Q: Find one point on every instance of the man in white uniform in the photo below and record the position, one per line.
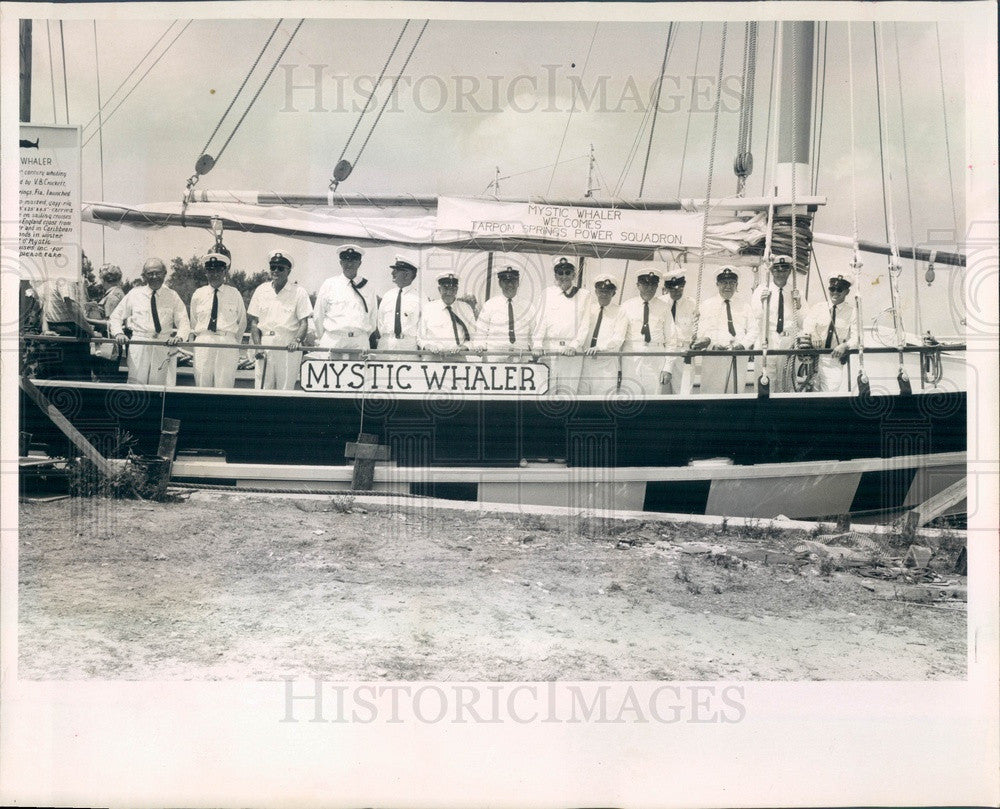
(506, 322)
(782, 310)
(682, 315)
(218, 315)
(278, 315)
(399, 310)
(649, 330)
(151, 312)
(562, 327)
(346, 312)
(608, 327)
(446, 324)
(722, 325)
(832, 324)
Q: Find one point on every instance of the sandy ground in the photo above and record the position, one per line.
(226, 586)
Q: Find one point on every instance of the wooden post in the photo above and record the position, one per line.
(166, 452)
(365, 451)
(75, 436)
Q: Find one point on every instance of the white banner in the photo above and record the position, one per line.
(571, 223)
(418, 376)
(49, 245)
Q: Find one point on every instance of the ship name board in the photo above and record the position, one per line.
(418, 376)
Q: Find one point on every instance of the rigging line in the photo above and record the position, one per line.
(52, 71)
(822, 108)
(881, 152)
(143, 76)
(742, 162)
(131, 73)
(815, 112)
(62, 45)
(390, 94)
(634, 148)
(795, 157)
(532, 171)
(947, 142)
(253, 67)
(572, 108)
(97, 73)
(711, 169)
(656, 108)
(260, 89)
(374, 89)
(856, 260)
(687, 126)
(770, 101)
(918, 320)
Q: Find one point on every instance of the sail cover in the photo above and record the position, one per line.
(465, 224)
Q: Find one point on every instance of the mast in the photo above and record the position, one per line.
(792, 176)
(25, 52)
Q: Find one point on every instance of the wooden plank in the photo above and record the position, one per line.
(938, 504)
(366, 451)
(168, 438)
(75, 436)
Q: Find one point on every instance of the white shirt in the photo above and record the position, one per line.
(409, 312)
(755, 325)
(817, 323)
(492, 328)
(714, 325)
(563, 320)
(436, 332)
(279, 312)
(135, 311)
(614, 327)
(660, 324)
(54, 295)
(683, 324)
(232, 315)
(339, 308)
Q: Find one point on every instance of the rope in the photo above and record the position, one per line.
(818, 125)
(259, 91)
(743, 164)
(906, 175)
(371, 95)
(52, 71)
(131, 73)
(215, 487)
(894, 266)
(795, 161)
(687, 126)
(253, 67)
(391, 92)
(947, 140)
(711, 169)
(572, 108)
(100, 140)
(656, 108)
(493, 182)
(62, 45)
(143, 76)
(770, 99)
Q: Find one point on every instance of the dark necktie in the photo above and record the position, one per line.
(356, 288)
(154, 312)
(673, 311)
(510, 322)
(597, 328)
(833, 327)
(456, 323)
(645, 321)
(729, 320)
(397, 327)
(781, 310)
(213, 319)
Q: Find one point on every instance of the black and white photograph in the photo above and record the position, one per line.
(499, 397)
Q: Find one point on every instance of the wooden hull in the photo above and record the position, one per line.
(782, 455)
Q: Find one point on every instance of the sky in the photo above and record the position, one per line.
(486, 96)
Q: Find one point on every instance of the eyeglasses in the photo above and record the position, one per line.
(566, 272)
(279, 268)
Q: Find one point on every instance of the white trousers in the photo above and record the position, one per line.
(680, 377)
(216, 367)
(599, 375)
(830, 375)
(277, 370)
(722, 374)
(642, 374)
(564, 373)
(152, 365)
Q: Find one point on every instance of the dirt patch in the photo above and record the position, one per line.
(228, 586)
